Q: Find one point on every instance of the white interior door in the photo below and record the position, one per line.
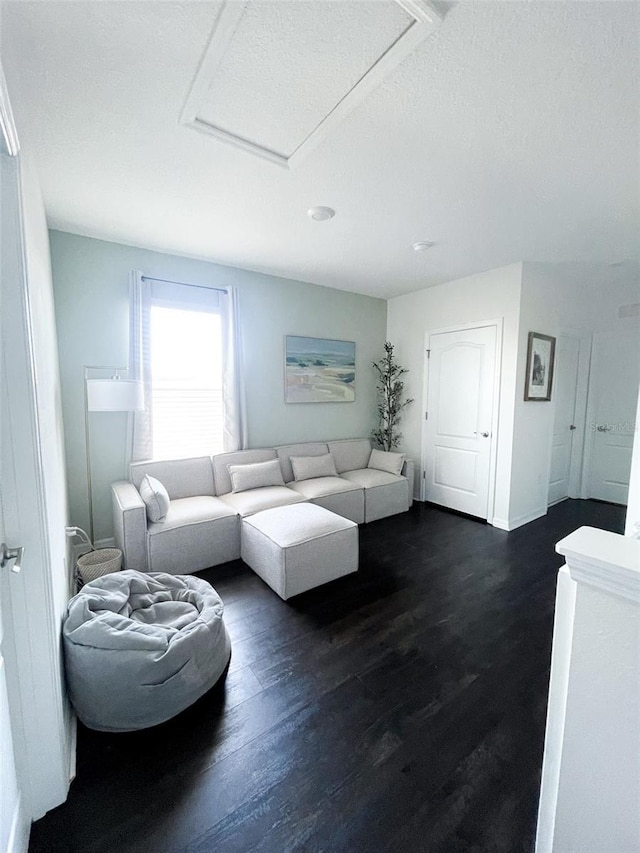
(565, 383)
(613, 390)
(459, 413)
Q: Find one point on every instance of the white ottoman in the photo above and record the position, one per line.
(295, 548)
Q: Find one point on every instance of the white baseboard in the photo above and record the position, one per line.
(105, 543)
(518, 521)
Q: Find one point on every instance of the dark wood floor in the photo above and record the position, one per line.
(399, 709)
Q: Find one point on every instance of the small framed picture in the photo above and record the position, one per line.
(540, 356)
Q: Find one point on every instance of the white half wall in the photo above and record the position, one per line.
(591, 774)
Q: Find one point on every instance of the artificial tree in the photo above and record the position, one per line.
(390, 403)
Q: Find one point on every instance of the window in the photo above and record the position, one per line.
(186, 382)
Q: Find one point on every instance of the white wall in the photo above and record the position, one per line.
(485, 296)
(575, 299)
(580, 300)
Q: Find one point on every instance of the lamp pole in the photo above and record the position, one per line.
(87, 433)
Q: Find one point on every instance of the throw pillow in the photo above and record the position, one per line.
(155, 497)
(386, 461)
(255, 475)
(308, 467)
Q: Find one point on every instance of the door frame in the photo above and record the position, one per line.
(497, 324)
(577, 441)
(590, 414)
(42, 728)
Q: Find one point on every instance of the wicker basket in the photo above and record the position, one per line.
(97, 563)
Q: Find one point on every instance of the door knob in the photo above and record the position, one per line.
(573, 426)
(603, 428)
(484, 434)
(9, 554)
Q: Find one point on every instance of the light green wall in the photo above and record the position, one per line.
(91, 289)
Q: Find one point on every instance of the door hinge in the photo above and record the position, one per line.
(424, 475)
(428, 353)
(426, 416)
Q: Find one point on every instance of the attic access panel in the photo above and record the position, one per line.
(278, 75)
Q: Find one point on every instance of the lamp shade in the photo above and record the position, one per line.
(114, 395)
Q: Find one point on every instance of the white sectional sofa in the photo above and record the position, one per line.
(201, 527)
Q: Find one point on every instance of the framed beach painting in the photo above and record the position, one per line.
(319, 370)
(540, 355)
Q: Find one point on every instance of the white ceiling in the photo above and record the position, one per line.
(511, 133)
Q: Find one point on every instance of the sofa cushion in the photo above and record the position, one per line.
(321, 486)
(309, 467)
(370, 478)
(255, 500)
(221, 462)
(384, 493)
(255, 475)
(386, 461)
(198, 532)
(285, 453)
(350, 455)
(182, 478)
(188, 511)
(156, 498)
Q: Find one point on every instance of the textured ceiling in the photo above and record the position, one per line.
(511, 133)
(290, 63)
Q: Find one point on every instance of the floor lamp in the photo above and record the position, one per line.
(107, 395)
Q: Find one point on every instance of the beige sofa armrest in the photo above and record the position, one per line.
(130, 525)
(409, 471)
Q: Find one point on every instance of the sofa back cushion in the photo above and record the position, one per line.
(221, 462)
(285, 453)
(387, 461)
(350, 455)
(255, 475)
(310, 467)
(182, 478)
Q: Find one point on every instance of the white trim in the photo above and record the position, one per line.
(577, 435)
(8, 131)
(496, 323)
(520, 520)
(590, 413)
(604, 560)
(425, 21)
(20, 828)
(556, 709)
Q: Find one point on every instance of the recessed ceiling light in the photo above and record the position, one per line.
(319, 214)
(422, 246)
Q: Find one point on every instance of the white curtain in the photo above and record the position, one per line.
(233, 394)
(140, 364)
(144, 293)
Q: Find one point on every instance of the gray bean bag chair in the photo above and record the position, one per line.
(140, 648)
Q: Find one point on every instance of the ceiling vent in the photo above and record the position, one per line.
(278, 76)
